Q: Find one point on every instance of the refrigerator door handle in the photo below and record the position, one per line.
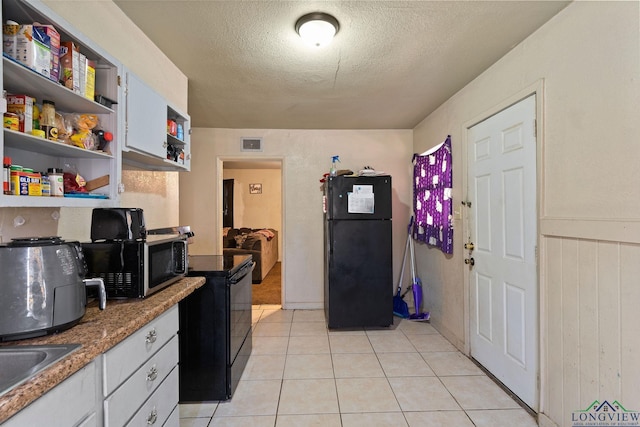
(330, 238)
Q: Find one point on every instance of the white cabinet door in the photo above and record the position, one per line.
(148, 144)
(146, 119)
(71, 402)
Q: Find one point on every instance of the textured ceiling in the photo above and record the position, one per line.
(390, 65)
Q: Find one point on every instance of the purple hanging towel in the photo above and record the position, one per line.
(432, 205)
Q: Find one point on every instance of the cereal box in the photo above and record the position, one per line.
(90, 80)
(70, 65)
(54, 45)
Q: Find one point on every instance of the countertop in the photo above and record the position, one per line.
(97, 332)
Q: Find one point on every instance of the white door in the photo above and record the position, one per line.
(503, 229)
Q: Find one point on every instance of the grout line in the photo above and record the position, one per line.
(377, 355)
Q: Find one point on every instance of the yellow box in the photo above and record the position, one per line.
(35, 187)
(90, 80)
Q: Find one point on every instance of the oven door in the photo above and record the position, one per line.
(239, 323)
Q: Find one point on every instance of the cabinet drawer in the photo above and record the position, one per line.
(125, 358)
(68, 403)
(160, 405)
(129, 397)
(90, 421)
(174, 418)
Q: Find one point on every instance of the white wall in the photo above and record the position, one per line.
(306, 156)
(587, 59)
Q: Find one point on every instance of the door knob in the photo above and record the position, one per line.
(469, 261)
(469, 246)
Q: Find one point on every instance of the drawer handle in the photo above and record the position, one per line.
(152, 336)
(152, 374)
(153, 417)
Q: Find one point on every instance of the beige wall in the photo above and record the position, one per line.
(305, 155)
(587, 60)
(262, 210)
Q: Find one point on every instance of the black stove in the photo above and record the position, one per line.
(215, 328)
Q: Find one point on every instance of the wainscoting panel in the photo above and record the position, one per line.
(591, 324)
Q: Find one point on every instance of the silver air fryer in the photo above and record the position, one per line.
(42, 287)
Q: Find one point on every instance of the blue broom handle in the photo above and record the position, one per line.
(404, 261)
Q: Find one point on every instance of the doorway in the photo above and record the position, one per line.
(256, 203)
(227, 203)
(502, 245)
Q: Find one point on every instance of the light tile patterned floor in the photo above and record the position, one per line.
(301, 374)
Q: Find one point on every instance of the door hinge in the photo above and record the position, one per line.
(119, 81)
(535, 128)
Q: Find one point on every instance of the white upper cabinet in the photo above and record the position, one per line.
(157, 135)
(40, 154)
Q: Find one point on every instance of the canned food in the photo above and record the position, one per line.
(15, 173)
(56, 181)
(11, 121)
(23, 181)
(35, 188)
(50, 132)
(46, 185)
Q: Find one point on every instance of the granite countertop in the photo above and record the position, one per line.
(97, 332)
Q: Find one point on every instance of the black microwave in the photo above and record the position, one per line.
(136, 269)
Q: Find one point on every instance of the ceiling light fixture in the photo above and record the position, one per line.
(317, 28)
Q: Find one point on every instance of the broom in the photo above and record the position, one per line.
(400, 307)
(416, 286)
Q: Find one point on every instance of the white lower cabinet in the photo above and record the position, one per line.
(133, 384)
(174, 418)
(140, 374)
(71, 403)
(156, 411)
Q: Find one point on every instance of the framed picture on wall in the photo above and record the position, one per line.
(255, 188)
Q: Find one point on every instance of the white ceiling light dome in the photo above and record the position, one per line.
(317, 28)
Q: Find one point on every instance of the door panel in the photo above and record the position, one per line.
(503, 228)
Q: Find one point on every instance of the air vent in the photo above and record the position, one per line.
(251, 144)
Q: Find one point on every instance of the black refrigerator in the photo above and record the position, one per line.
(358, 283)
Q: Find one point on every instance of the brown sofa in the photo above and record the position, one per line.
(261, 243)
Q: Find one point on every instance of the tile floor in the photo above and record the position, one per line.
(301, 374)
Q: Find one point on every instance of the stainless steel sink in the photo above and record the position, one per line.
(20, 363)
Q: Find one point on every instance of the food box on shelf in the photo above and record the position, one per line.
(22, 105)
(70, 65)
(83, 74)
(54, 46)
(29, 45)
(90, 80)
